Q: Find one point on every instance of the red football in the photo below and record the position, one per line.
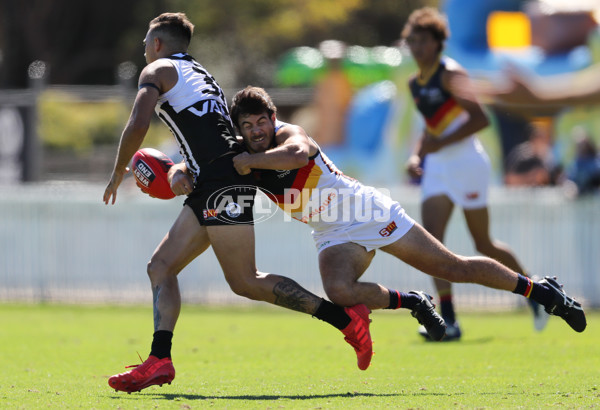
(150, 167)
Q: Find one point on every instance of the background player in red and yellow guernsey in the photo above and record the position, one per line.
(347, 243)
(449, 159)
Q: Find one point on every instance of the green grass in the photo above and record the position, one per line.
(56, 356)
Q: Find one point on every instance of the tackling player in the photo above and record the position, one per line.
(292, 167)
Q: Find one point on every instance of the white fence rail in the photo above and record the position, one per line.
(59, 242)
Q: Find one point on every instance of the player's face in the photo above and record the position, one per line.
(258, 131)
(149, 53)
(423, 46)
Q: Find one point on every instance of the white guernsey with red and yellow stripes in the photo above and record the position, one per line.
(308, 192)
(338, 208)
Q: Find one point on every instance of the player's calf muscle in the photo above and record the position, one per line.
(291, 295)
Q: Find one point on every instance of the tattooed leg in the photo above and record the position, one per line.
(155, 299)
(291, 295)
(166, 304)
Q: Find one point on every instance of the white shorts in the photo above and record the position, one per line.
(372, 234)
(461, 172)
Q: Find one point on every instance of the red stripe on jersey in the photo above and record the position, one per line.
(439, 115)
(297, 186)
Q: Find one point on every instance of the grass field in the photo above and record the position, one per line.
(56, 356)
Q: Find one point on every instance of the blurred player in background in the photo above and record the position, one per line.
(291, 167)
(333, 95)
(453, 165)
(191, 103)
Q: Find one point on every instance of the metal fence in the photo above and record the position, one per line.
(59, 242)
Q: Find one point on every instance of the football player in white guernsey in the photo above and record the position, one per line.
(191, 103)
(347, 244)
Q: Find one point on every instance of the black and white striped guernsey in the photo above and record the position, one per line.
(195, 95)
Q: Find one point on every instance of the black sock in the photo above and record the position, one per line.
(161, 344)
(409, 300)
(534, 291)
(447, 309)
(403, 300)
(524, 286)
(395, 299)
(541, 294)
(333, 314)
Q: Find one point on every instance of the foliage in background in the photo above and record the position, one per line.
(83, 42)
(243, 41)
(67, 124)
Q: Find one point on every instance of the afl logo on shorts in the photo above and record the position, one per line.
(230, 203)
(233, 210)
(387, 231)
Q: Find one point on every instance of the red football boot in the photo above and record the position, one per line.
(152, 371)
(358, 335)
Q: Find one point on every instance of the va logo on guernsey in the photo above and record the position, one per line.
(229, 203)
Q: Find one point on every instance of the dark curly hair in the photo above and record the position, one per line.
(427, 19)
(251, 100)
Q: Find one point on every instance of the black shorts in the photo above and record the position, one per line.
(221, 196)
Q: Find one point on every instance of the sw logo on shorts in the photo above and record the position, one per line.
(210, 214)
(387, 231)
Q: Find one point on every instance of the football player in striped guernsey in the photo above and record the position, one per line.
(217, 212)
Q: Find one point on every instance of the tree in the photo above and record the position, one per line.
(84, 41)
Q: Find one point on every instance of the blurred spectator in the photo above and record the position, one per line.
(584, 171)
(524, 167)
(513, 129)
(333, 94)
(531, 163)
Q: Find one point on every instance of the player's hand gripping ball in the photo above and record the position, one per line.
(150, 167)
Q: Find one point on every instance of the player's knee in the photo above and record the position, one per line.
(339, 293)
(484, 248)
(159, 270)
(244, 288)
(155, 268)
(240, 289)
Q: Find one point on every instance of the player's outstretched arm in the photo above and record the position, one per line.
(517, 89)
(134, 132)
